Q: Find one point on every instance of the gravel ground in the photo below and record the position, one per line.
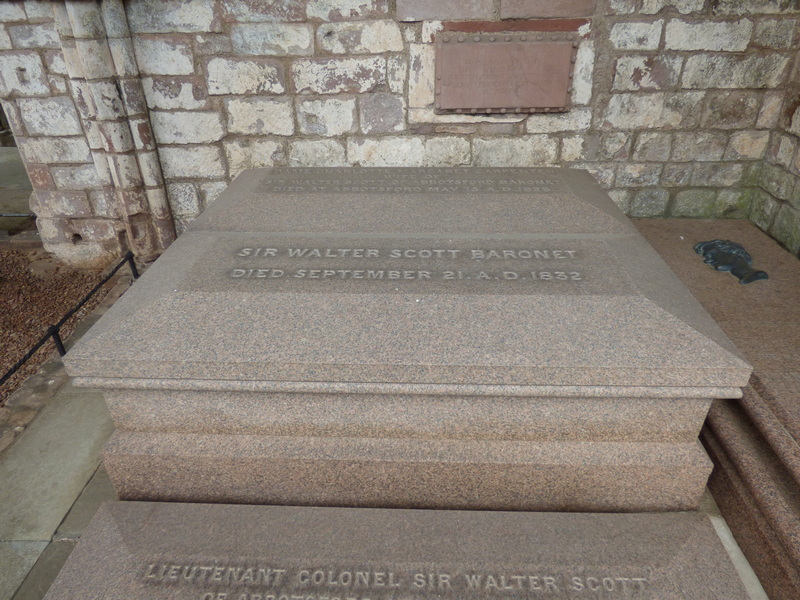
(35, 292)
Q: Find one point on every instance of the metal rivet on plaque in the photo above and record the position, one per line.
(572, 59)
(461, 38)
(570, 37)
(488, 111)
(575, 44)
(554, 38)
(477, 38)
(492, 38)
(445, 39)
(459, 111)
(571, 75)
(546, 110)
(533, 110)
(508, 38)
(473, 110)
(569, 90)
(517, 110)
(503, 110)
(540, 37)
(524, 38)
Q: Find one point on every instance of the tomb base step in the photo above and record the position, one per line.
(142, 551)
(408, 473)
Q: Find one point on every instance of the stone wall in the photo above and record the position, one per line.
(133, 116)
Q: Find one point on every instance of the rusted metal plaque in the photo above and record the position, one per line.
(504, 72)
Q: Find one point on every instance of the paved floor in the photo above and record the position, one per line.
(51, 483)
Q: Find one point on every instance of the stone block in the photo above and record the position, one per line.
(535, 9)
(339, 75)
(187, 127)
(638, 175)
(763, 209)
(703, 71)
(251, 153)
(382, 113)
(75, 178)
(50, 116)
(174, 93)
(360, 37)
(747, 145)
(123, 57)
(647, 72)
(260, 12)
(722, 174)
(95, 58)
(193, 162)
(421, 74)
(152, 16)
(345, 10)
(104, 204)
(317, 153)
(669, 111)
(731, 110)
(637, 36)
(273, 39)
(777, 34)
(151, 169)
(55, 150)
(258, 115)
(38, 9)
(40, 35)
(163, 57)
(699, 146)
(786, 228)
(621, 7)
(572, 148)
(695, 203)
(22, 73)
(397, 73)
(787, 147)
(727, 36)
(446, 151)
(444, 10)
(125, 172)
(653, 146)
(777, 181)
(651, 7)
(245, 76)
(735, 7)
(583, 74)
(676, 175)
(386, 151)
(733, 204)
(649, 203)
(12, 11)
(54, 61)
(183, 199)
(525, 151)
(213, 44)
(575, 120)
(5, 40)
(63, 203)
(326, 117)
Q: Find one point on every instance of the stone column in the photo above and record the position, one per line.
(108, 93)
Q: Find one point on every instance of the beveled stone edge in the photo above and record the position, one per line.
(426, 389)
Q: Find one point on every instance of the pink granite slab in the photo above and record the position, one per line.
(408, 473)
(550, 286)
(146, 551)
(408, 416)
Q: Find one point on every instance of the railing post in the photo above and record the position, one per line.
(53, 332)
(132, 263)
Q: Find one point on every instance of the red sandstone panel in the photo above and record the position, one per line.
(505, 72)
(523, 9)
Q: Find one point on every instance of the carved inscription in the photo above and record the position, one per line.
(519, 265)
(410, 181)
(222, 580)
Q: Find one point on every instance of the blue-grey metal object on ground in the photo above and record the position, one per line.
(725, 255)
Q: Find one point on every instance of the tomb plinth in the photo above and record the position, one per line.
(412, 338)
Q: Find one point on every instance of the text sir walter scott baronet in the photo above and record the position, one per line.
(440, 263)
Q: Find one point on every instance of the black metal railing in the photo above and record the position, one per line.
(54, 330)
